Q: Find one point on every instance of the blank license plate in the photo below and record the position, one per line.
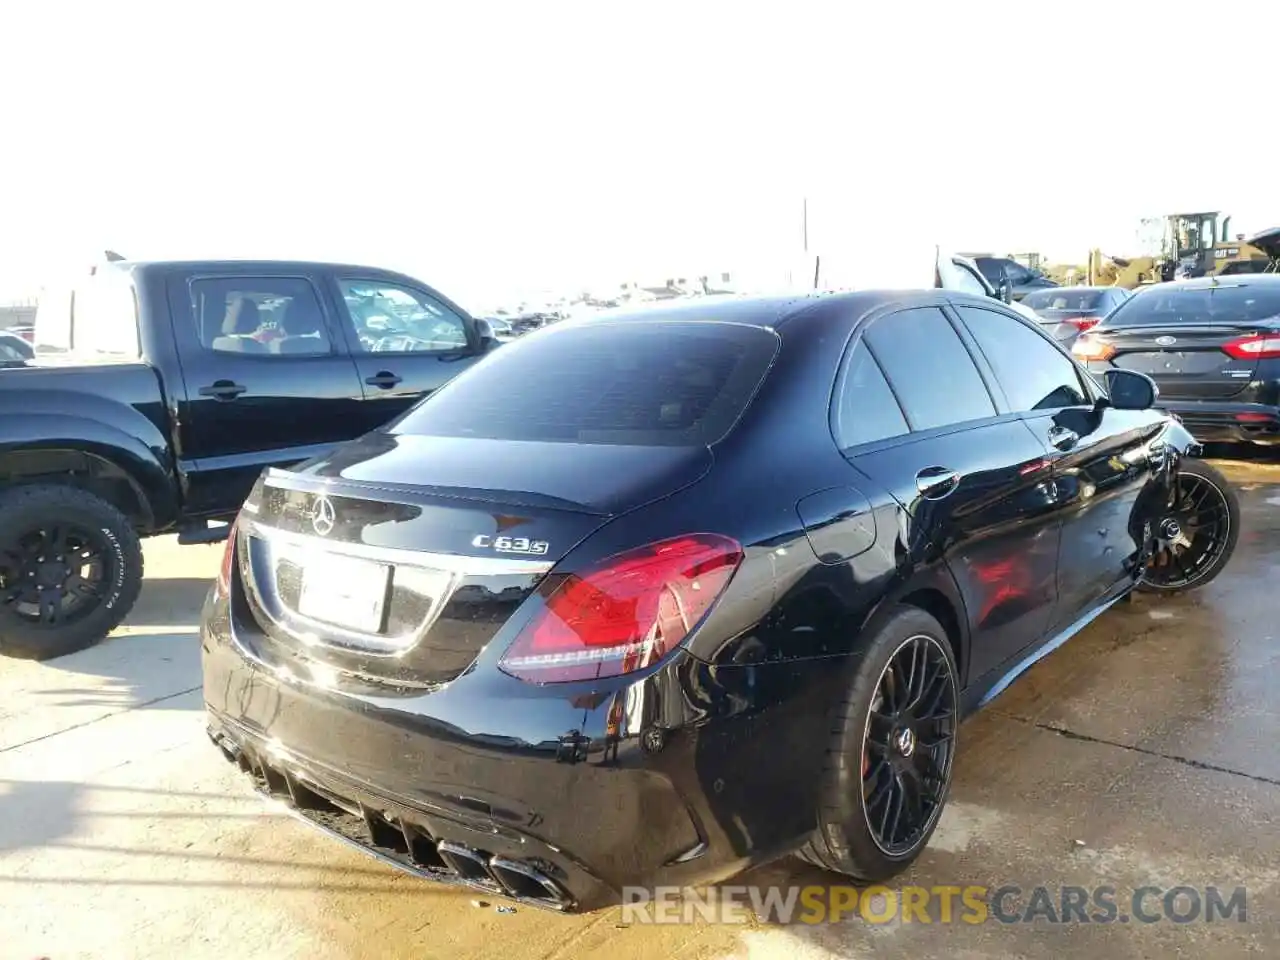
(344, 591)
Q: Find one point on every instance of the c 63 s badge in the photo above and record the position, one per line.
(522, 545)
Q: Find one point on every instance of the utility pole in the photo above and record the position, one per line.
(804, 220)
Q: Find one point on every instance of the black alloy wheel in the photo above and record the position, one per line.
(71, 568)
(888, 764)
(1195, 532)
(55, 574)
(909, 745)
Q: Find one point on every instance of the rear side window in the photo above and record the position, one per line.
(929, 368)
(268, 316)
(1033, 372)
(631, 382)
(1167, 304)
(866, 409)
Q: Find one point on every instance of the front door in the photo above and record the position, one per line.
(1099, 457)
(407, 341)
(267, 382)
(972, 481)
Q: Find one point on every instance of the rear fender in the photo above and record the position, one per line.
(54, 445)
(934, 590)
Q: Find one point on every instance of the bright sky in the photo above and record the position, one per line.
(491, 148)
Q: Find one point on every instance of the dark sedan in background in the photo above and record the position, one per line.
(1212, 346)
(1067, 312)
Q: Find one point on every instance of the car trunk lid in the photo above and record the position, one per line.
(1187, 362)
(396, 559)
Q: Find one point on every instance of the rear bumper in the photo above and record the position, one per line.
(559, 798)
(1227, 422)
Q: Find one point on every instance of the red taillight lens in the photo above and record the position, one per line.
(625, 613)
(1084, 323)
(228, 564)
(1253, 347)
(1087, 347)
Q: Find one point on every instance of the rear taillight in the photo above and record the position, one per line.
(1253, 347)
(1088, 347)
(228, 564)
(625, 613)
(1084, 323)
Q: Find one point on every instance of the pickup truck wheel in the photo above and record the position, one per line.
(70, 570)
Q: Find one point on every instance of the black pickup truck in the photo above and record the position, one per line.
(158, 393)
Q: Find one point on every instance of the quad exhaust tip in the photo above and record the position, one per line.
(397, 842)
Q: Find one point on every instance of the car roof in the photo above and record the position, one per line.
(770, 311)
(1209, 283)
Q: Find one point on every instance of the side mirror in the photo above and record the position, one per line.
(1128, 390)
(1004, 290)
(488, 339)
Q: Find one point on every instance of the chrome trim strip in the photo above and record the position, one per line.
(449, 562)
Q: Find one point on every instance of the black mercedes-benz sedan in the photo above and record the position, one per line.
(719, 587)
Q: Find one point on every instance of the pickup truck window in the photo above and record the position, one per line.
(393, 319)
(98, 317)
(270, 316)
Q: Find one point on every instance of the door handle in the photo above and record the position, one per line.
(1062, 439)
(934, 483)
(223, 390)
(384, 379)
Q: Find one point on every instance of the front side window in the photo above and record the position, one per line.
(931, 372)
(393, 319)
(1034, 373)
(268, 316)
(966, 282)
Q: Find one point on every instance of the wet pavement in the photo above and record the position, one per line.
(1144, 753)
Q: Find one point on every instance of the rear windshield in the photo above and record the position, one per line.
(97, 318)
(1063, 299)
(1169, 304)
(656, 383)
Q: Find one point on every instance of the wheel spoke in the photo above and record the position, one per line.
(49, 607)
(900, 801)
(81, 588)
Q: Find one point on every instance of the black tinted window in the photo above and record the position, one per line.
(1171, 304)
(649, 383)
(865, 409)
(1034, 373)
(259, 315)
(929, 368)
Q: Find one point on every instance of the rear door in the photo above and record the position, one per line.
(1098, 456)
(968, 477)
(407, 340)
(1197, 341)
(246, 407)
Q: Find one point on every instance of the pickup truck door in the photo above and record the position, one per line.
(406, 339)
(268, 380)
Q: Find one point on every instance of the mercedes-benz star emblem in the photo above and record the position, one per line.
(905, 742)
(323, 516)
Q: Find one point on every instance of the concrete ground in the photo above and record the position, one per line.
(1144, 752)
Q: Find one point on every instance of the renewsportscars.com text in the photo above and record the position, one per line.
(941, 904)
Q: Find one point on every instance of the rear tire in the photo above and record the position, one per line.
(1176, 568)
(898, 718)
(70, 570)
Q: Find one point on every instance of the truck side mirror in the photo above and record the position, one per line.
(1004, 290)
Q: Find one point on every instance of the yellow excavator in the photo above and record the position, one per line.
(1193, 245)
